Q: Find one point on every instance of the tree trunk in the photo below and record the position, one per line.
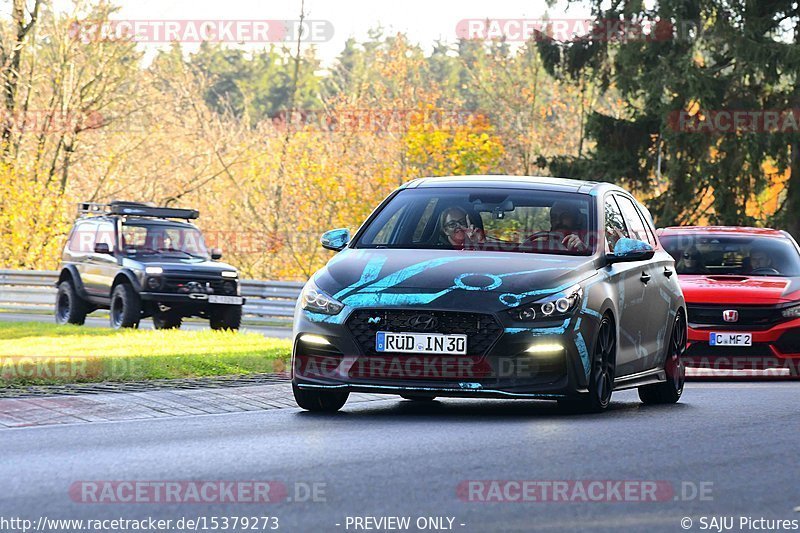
(792, 206)
(12, 63)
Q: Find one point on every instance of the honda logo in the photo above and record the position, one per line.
(423, 322)
(731, 315)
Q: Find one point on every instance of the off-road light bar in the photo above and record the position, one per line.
(136, 209)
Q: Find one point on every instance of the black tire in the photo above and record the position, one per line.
(225, 317)
(167, 321)
(323, 401)
(126, 308)
(417, 398)
(601, 375)
(70, 308)
(670, 391)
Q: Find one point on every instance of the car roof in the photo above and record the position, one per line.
(723, 230)
(512, 182)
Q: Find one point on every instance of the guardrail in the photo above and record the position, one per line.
(34, 290)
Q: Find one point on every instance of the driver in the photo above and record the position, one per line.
(566, 219)
(760, 259)
(457, 229)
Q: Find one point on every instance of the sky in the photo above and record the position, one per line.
(424, 21)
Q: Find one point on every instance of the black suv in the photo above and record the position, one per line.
(142, 261)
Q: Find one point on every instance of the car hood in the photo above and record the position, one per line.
(743, 290)
(447, 279)
(180, 265)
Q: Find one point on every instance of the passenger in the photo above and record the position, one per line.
(691, 262)
(457, 230)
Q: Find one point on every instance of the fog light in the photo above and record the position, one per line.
(314, 339)
(153, 283)
(229, 287)
(545, 348)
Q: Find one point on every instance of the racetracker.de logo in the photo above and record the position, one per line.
(566, 30)
(205, 30)
(722, 121)
(581, 491)
(204, 492)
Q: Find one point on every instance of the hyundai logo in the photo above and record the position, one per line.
(731, 315)
(423, 322)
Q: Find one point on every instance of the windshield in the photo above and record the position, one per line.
(733, 255)
(509, 220)
(163, 239)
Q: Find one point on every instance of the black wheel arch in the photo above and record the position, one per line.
(70, 273)
(126, 276)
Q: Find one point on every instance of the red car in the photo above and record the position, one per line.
(742, 290)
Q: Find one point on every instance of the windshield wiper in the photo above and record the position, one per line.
(133, 250)
(171, 250)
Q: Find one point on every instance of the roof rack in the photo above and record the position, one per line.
(137, 209)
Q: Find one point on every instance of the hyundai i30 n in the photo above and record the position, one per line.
(494, 286)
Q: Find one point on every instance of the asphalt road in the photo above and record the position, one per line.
(734, 442)
(102, 322)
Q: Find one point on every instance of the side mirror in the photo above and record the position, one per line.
(102, 248)
(335, 239)
(630, 251)
(216, 254)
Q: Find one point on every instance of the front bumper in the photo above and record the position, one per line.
(776, 347)
(503, 370)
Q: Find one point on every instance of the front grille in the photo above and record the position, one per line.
(482, 330)
(703, 349)
(789, 343)
(187, 284)
(750, 317)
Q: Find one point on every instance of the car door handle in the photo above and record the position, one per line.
(645, 278)
(668, 272)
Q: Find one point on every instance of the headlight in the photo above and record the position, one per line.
(229, 274)
(153, 283)
(792, 312)
(317, 301)
(229, 287)
(553, 307)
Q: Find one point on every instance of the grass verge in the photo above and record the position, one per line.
(41, 353)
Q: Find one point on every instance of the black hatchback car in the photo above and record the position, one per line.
(494, 286)
(140, 261)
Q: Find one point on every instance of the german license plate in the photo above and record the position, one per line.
(434, 343)
(220, 299)
(731, 339)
